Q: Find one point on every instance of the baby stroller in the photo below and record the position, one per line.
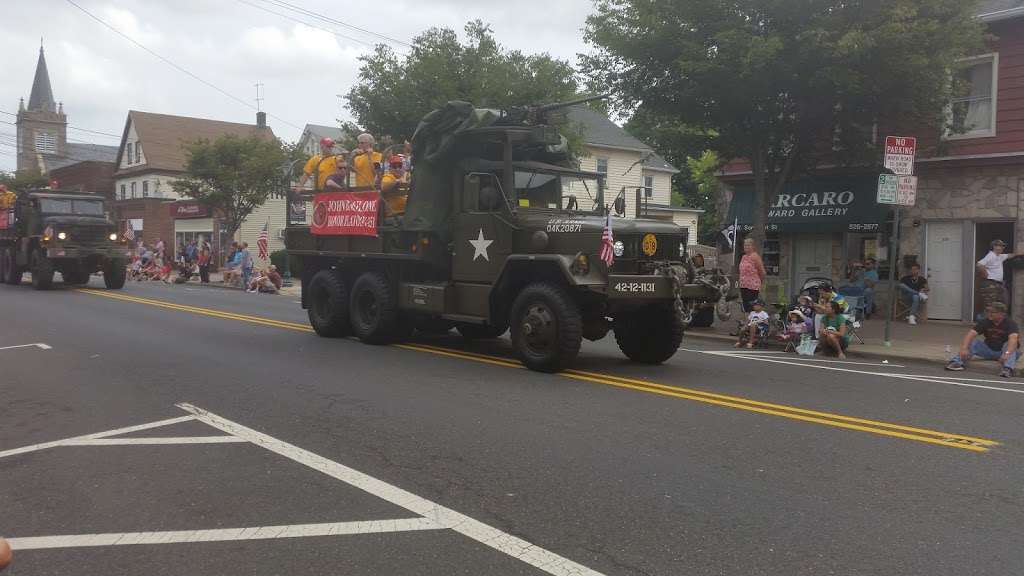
(812, 288)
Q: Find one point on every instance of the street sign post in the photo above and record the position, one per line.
(898, 189)
(899, 154)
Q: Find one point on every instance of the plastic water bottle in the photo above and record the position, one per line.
(949, 353)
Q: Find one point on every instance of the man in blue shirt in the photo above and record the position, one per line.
(870, 280)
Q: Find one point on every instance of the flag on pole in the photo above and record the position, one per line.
(730, 236)
(129, 232)
(607, 241)
(261, 242)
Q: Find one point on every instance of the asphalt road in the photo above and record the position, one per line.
(315, 456)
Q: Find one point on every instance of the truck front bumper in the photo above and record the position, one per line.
(77, 252)
(655, 287)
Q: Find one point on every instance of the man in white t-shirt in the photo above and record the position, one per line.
(992, 264)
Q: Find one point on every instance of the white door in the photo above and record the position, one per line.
(945, 270)
(813, 258)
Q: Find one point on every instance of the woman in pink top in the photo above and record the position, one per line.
(752, 275)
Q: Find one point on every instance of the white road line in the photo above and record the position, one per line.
(802, 359)
(1004, 381)
(531, 554)
(888, 374)
(154, 440)
(39, 345)
(222, 534)
(118, 431)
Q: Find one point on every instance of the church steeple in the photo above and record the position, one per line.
(41, 97)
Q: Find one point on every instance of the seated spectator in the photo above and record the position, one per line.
(914, 290)
(796, 326)
(267, 281)
(826, 296)
(1000, 341)
(756, 326)
(835, 335)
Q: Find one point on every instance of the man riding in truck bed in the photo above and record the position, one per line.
(321, 166)
(367, 162)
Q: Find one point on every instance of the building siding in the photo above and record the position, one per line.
(164, 190)
(272, 211)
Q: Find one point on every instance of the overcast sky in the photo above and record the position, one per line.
(99, 75)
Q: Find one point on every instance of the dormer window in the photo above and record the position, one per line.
(128, 156)
(138, 152)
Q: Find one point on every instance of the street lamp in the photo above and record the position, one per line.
(287, 181)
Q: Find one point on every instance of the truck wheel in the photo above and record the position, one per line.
(374, 311)
(703, 317)
(42, 271)
(12, 274)
(651, 334)
(328, 304)
(547, 327)
(481, 331)
(114, 274)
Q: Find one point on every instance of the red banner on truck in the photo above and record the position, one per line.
(345, 213)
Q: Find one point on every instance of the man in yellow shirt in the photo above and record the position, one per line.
(392, 186)
(367, 163)
(321, 165)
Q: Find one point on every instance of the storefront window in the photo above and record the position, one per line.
(770, 253)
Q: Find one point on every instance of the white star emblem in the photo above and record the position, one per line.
(480, 246)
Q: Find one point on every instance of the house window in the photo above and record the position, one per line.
(128, 156)
(46, 143)
(602, 166)
(122, 192)
(145, 187)
(649, 186)
(973, 112)
(138, 155)
(133, 189)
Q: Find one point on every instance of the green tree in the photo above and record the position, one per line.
(787, 85)
(232, 176)
(394, 92)
(706, 193)
(23, 179)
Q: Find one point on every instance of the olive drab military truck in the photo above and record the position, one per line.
(501, 231)
(47, 231)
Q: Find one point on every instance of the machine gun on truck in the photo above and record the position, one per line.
(500, 231)
(44, 231)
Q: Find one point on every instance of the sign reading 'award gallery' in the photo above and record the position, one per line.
(345, 213)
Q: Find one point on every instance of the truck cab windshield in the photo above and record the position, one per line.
(555, 191)
(70, 206)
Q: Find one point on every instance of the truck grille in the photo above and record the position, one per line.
(88, 236)
(668, 247)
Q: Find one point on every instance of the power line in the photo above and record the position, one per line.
(173, 65)
(304, 23)
(321, 17)
(118, 136)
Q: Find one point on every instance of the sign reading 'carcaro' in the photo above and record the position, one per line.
(813, 204)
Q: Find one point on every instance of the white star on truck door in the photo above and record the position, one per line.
(480, 247)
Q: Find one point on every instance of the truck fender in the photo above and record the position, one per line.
(522, 269)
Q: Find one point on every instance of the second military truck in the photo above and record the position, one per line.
(501, 231)
(46, 231)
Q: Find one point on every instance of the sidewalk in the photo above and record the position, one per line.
(926, 341)
(217, 281)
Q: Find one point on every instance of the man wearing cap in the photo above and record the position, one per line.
(319, 166)
(390, 186)
(366, 163)
(992, 263)
(1000, 341)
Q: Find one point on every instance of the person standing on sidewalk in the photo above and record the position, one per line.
(991, 267)
(914, 288)
(246, 263)
(1000, 341)
(752, 275)
(203, 260)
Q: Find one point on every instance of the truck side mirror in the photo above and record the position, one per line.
(572, 203)
(490, 199)
(620, 206)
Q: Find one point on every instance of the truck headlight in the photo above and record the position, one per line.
(581, 265)
(619, 248)
(113, 237)
(682, 250)
(62, 236)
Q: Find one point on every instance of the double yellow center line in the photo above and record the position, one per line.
(735, 402)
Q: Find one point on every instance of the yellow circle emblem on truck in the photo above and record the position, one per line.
(650, 244)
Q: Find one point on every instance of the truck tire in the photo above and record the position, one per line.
(651, 334)
(114, 274)
(328, 304)
(703, 317)
(547, 327)
(42, 271)
(9, 271)
(374, 310)
(480, 331)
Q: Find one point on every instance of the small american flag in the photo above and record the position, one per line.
(129, 232)
(261, 242)
(607, 241)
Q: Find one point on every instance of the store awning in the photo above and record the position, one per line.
(834, 204)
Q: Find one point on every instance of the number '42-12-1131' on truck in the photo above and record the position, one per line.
(498, 231)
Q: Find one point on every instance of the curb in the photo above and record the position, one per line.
(856, 349)
(222, 286)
